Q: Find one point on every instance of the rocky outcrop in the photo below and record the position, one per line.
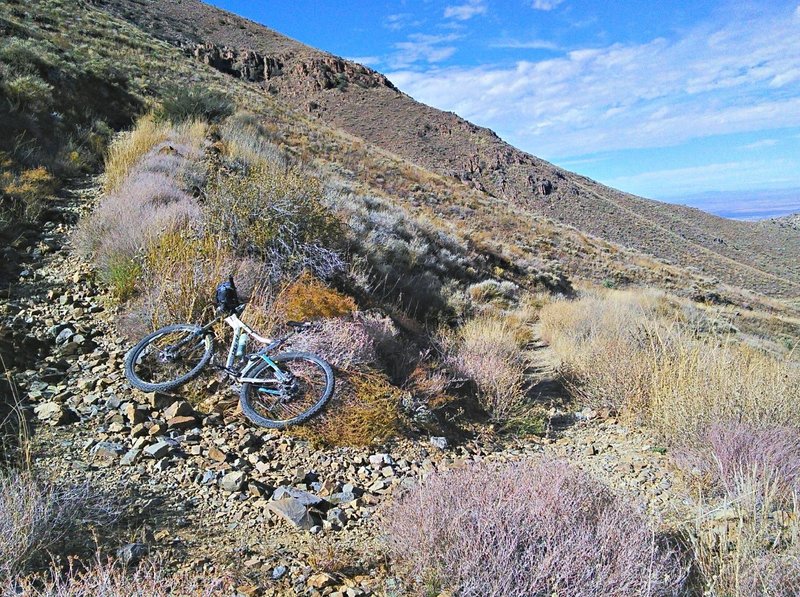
(321, 71)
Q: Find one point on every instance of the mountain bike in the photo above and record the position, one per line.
(276, 391)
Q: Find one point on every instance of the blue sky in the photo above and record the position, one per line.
(679, 101)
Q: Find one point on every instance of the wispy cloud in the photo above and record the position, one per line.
(531, 44)
(422, 47)
(723, 176)
(402, 20)
(546, 4)
(714, 79)
(464, 12)
(761, 144)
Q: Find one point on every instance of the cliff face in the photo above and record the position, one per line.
(318, 73)
(365, 104)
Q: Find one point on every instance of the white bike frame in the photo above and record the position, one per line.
(239, 328)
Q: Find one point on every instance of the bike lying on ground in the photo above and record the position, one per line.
(278, 391)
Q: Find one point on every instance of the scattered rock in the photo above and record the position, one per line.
(293, 511)
(132, 553)
(233, 481)
(439, 442)
(54, 413)
(158, 449)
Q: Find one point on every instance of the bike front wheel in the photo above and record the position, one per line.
(286, 390)
(168, 357)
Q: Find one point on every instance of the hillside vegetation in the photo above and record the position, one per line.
(365, 104)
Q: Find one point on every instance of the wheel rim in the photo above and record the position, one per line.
(160, 361)
(283, 401)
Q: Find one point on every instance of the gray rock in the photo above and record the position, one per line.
(131, 457)
(343, 497)
(337, 516)
(106, 453)
(208, 478)
(181, 408)
(304, 497)
(379, 459)
(135, 413)
(64, 336)
(132, 553)
(54, 413)
(158, 449)
(439, 442)
(233, 481)
(293, 511)
(159, 400)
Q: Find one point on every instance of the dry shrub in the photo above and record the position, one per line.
(128, 148)
(749, 544)
(110, 580)
(143, 208)
(695, 384)
(36, 515)
(488, 350)
(308, 298)
(180, 275)
(344, 342)
(28, 190)
(275, 214)
(620, 351)
(735, 455)
(364, 411)
(539, 528)
(604, 353)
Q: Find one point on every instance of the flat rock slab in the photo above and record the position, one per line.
(293, 511)
(304, 497)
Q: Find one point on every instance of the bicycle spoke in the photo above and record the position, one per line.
(306, 385)
(161, 361)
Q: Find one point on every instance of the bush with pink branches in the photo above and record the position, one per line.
(536, 528)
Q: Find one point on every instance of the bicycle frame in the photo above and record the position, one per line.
(240, 327)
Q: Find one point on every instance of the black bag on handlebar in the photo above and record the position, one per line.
(226, 297)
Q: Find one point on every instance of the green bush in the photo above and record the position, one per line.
(189, 103)
(277, 216)
(28, 93)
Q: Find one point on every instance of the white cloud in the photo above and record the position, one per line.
(403, 20)
(546, 4)
(761, 144)
(532, 44)
(464, 12)
(712, 80)
(723, 176)
(422, 47)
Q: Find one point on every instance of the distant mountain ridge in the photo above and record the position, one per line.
(754, 255)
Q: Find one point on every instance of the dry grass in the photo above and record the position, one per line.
(344, 342)
(110, 580)
(749, 544)
(308, 298)
(539, 528)
(364, 411)
(128, 148)
(36, 515)
(639, 354)
(489, 350)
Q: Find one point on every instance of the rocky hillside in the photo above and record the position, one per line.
(365, 104)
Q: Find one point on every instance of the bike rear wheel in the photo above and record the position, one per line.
(168, 357)
(288, 395)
